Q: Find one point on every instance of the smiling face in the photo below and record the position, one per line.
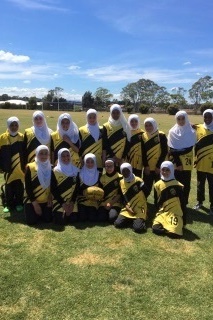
(134, 123)
(92, 119)
(181, 120)
(126, 172)
(148, 127)
(39, 121)
(90, 163)
(110, 167)
(43, 155)
(208, 118)
(65, 123)
(115, 114)
(165, 172)
(14, 126)
(65, 157)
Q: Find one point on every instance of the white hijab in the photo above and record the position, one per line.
(208, 126)
(181, 137)
(93, 129)
(69, 169)
(89, 176)
(9, 121)
(43, 168)
(154, 124)
(129, 167)
(136, 117)
(121, 121)
(170, 166)
(72, 132)
(42, 133)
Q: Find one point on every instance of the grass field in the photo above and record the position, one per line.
(100, 273)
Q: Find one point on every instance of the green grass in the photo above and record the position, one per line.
(98, 272)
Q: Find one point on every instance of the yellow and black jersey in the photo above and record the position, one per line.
(133, 196)
(82, 199)
(63, 189)
(134, 156)
(182, 158)
(57, 143)
(114, 141)
(204, 149)
(155, 149)
(111, 186)
(12, 156)
(30, 145)
(170, 203)
(89, 145)
(33, 189)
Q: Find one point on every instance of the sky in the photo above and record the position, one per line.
(81, 45)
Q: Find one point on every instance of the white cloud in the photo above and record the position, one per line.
(187, 63)
(39, 5)
(26, 81)
(10, 57)
(74, 67)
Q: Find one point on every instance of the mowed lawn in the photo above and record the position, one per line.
(100, 273)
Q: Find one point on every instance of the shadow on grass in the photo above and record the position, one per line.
(199, 216)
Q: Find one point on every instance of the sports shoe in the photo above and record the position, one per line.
(19, 208)
(198, 206)
(6, 210)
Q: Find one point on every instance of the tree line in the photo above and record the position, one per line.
(142, 96)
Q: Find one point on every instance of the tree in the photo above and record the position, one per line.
(201, 90)
(145, 92)
(87, 100)
(32, 103)
(103, 96)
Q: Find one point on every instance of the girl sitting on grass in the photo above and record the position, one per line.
(133, 191)
(38, 200)
(64, 184)
(89, 193)
(110, 183)
(170, 203)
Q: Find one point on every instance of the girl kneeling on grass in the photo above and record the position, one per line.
(38, 200)
(170, 203)
(134, 194)
(89, 194)
(64, 184)
(110, 183)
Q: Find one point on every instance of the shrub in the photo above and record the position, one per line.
(205, 106)
(173, 109)
(144, 109)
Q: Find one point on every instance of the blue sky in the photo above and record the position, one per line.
(85, 44)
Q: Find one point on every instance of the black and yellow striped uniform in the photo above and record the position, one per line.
(111, 186)
(155, 149)
(204, 149)
(63, 189)
(134, 197)
(11, 156)
(170, 203)
(30, 145)
(89, 145)
(114, 141)
(57, 143)
(33, 189)
(135, 152)
(82, 199)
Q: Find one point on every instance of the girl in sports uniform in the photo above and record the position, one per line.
(38, 134)
(66, 136)
(170, 203)
(135, 152)
(64, 185)
(134, 210)
(12, 165)
(38, 199)
(91, 138)
(181, 140)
